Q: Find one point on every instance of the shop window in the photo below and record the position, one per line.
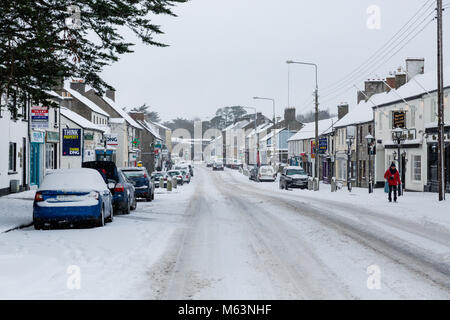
(12, 157)
(417, 168)
(50, 156)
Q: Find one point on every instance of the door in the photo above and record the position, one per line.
(34, 163)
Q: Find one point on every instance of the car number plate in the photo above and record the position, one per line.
(67, 198)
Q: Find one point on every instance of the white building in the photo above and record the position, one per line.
(418, 118)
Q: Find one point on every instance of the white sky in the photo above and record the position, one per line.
(224, 52)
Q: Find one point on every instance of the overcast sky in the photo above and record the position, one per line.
(224, 52)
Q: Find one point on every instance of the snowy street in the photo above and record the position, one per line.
(225, 237)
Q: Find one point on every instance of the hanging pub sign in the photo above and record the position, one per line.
(398, 119)
(71, 142)
(323, 145)
(39, 117)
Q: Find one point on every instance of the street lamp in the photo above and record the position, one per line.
(316, 113)
(398, 136)
(371, 151)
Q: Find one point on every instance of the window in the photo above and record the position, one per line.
(433, 111)
(50, 156)
(417, 168)
(412, 121)
(55, 113)
(12, 157)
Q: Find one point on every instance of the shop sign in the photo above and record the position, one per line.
(71, 142)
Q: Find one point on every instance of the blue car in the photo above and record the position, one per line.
(123, 191)
(70, 196)
(139, 177)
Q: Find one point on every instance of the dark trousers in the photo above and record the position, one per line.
(392, 189)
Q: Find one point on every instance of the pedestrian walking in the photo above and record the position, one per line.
(393, 179)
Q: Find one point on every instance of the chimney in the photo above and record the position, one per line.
(111, 94)
(289, 115)
(342, 110)
(361, 96)
(400, 78)
(414, 66)
(391, 82)
(137, 116)
(78, 85)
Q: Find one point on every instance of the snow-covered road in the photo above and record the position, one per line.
(224, 237)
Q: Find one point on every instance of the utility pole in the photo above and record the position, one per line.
(316, 118)
(440, 87)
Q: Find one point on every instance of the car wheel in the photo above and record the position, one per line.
(153, 196)
(281, 186)
(111, 217)
(127, 209)
(134, 206)
(101, 220)
(37, 225)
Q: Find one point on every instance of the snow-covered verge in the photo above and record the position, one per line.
(113, 261)
(420, 207)
(16, 210)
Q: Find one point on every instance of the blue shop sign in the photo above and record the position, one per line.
(71, 142)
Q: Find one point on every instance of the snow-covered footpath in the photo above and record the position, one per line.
(113, 261)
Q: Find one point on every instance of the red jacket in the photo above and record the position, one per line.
(393, 179)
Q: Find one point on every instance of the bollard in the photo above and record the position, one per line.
(333, 184)
(316, 184)
(161, 183)
(174, 183)
(169, 185)
(310, 183)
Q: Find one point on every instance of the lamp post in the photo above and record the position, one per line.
(398, 136)
(316, 162)
(371, 151)
(349, 159)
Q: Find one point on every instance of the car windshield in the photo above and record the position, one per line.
(173, 173)
(291, 172)
(134, 174)
(266, 170)
(157, 175)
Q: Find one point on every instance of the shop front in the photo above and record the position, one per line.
(36, 156)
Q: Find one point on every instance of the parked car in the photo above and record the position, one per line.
(156, 176)
(69, 196)
(186, 176)
(266, 173)
(218, 165)
(140, 179)
(253, 173)
(236, 164)
(293, 177)
(175, 174)
(186, 167)
(124, 199)
(209, 163)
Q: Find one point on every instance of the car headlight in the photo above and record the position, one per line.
(94, 194)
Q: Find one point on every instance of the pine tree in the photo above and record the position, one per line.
(42, 41)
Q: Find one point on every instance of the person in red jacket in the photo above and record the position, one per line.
(393, 178)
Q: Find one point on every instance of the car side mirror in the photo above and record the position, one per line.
(111, 185)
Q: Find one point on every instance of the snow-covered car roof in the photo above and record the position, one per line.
(74, 180)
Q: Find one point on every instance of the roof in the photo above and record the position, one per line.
(309, 129)
(122, 113)
(360, 113)
(83, 99)
(159, 125)
(259, 129)
(79, 120)
(272, 133)
(149, 128)
(237, 125)
(413, 88)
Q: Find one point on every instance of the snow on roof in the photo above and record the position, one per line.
(149, 128)
(309, 129)
(83, 99)
(272, 133)
(122, 113)
(413, 88)
(259, 129)
(237, 125)
(159, 125)
(81, 121)
(360, 113)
